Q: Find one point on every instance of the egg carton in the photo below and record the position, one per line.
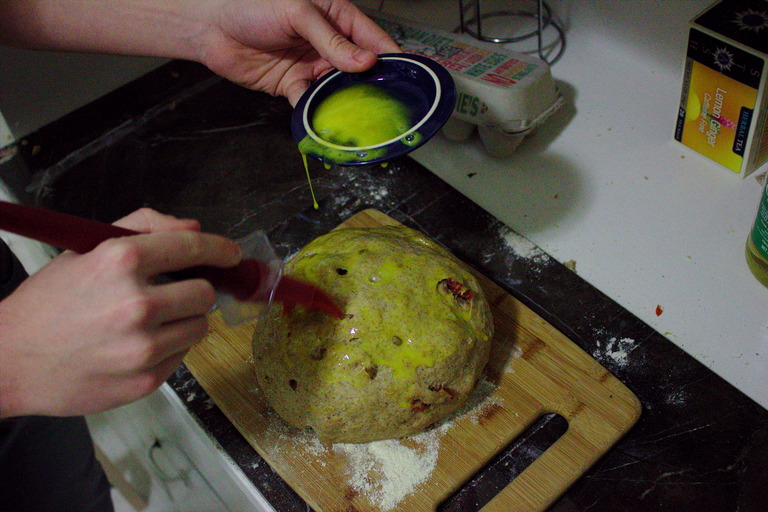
(505, 95)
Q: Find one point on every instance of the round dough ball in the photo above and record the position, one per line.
(414, 339)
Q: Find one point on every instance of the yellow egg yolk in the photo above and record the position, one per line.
(360, 115)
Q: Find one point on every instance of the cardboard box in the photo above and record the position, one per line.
(504, 94)
(724, 102)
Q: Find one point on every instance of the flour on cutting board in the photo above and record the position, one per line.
(401, 468)
(516, 352)
(403, 465)
(385, 472)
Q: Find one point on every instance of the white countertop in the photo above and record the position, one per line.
(604, 184)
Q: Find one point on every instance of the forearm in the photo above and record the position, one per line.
(275, 46)
(163, 28)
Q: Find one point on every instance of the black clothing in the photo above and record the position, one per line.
(46, 463)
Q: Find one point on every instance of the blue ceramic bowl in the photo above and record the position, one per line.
(422, 85)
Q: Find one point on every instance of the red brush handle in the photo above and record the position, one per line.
(57, 229)
(83, 235)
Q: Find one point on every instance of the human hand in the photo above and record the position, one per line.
(275, 46)
(92, 331)
(281, 46)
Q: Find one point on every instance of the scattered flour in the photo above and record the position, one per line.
(678, 397)
(515, 353)
(522, 246)
(617, 349)
(400, 468)
(385, 472)
(380, 193)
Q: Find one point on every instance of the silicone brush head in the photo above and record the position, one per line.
(292, 292)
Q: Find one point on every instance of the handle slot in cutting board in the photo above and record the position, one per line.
(537, 371)
(506, 465)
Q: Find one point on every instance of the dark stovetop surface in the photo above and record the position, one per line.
(187, 143)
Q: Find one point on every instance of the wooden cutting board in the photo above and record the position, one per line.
(534, 370)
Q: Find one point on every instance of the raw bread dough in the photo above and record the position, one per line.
(415, 337)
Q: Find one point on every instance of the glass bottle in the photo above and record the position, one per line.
(757, 242)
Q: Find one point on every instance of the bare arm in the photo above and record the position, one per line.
(92, 331)
(140, 27)
(277, 46)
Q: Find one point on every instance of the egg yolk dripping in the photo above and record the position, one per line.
(356, 117)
